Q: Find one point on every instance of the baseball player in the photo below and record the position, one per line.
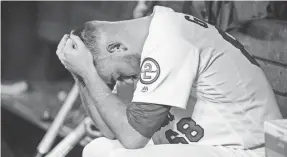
(198, 91)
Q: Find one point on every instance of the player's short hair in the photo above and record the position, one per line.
(90, 35)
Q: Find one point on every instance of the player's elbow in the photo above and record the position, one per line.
(134, 142)
(107, 133)
(109, 136)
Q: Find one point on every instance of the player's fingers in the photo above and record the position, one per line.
(77, 40)
(63, 41)
(59, 51)
(75, 45)
(69, 46)
(61, 57)
(91, 129)
(72, 32)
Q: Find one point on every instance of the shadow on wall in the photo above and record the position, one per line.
(18, 38)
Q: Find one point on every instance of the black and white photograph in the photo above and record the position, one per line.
(143, 78)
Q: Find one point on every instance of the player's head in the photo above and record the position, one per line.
(115, 46)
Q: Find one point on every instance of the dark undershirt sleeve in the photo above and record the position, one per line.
(146, 118)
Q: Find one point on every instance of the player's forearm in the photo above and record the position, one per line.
(92, 111)
(113, 112)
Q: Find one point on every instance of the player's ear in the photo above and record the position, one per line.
(116, 47)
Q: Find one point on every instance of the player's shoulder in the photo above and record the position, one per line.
(162, 10)
(163, 18)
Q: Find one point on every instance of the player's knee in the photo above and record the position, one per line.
(100, 147)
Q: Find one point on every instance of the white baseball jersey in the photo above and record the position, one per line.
(232, 97)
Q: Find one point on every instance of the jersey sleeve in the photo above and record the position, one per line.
(167, 73)
(124, 91)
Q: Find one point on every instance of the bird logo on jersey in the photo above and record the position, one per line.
(150, 71)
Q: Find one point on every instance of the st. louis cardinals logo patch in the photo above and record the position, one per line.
(150, 71)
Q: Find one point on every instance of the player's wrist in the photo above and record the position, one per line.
(91, 75)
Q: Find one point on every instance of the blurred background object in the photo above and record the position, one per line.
(19, 39)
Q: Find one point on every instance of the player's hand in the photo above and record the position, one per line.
(91, 129)
(74, 55)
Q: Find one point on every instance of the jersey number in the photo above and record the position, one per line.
(188, 127)
(225, 36)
